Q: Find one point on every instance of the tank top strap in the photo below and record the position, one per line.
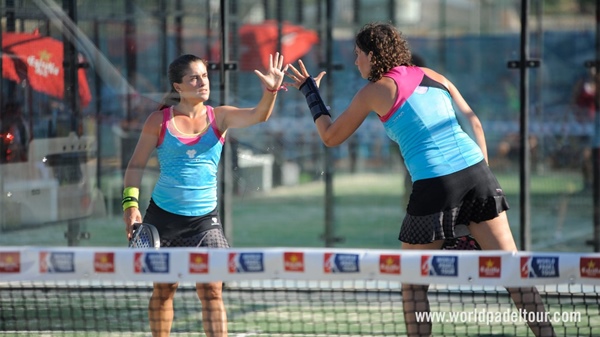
(163, 128)
(213, 124)
(407, 79)
(211, 114)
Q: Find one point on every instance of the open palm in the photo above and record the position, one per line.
(274, 75)
(300, 76)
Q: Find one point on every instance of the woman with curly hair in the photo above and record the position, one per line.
(454, 191)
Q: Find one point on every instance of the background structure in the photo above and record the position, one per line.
(281, 186)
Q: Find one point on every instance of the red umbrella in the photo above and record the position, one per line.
(260, 40)
(39, 60)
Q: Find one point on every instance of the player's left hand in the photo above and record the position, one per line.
(300, 76)
(273, 78)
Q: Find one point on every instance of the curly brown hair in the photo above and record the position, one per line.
(389, 48)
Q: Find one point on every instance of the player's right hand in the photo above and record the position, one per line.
(131, 216)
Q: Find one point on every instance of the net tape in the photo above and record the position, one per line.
(487, 268)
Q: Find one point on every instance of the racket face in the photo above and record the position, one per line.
(144, 236)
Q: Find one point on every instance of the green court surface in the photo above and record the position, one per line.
(368, 212)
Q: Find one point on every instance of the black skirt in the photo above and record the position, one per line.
(177, 230)
(438, 205)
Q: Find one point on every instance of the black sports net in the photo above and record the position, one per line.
(287, 308)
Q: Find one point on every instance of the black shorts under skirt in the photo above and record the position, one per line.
(437, 205)
(177, 230)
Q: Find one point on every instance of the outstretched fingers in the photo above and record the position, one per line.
(297, 76)
(276, 61)
(279, 61)
(303, 68)
(295, 71)
(273, 60)
(275, 73)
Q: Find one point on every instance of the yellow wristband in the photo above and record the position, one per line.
(130, 204)
(131, 192)
(130, 197)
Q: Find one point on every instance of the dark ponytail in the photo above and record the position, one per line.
(170, 99)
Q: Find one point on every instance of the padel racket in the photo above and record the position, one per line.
(144, 236)
(462, 243)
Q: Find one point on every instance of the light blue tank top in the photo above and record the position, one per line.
(424, 124)
(187, 184)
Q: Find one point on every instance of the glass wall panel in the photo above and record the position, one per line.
(67, 174)
(562, 117)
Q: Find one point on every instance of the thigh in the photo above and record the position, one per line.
(213, 238)
(494, 234)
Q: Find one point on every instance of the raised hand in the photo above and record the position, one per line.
(299, 76)
(273, 78)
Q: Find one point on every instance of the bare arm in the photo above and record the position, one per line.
(465, 114)
(469, 119)
(233, 117)
(135, 169)
(334, 132)
(144, 148)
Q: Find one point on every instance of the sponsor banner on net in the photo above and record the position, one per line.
(502, 316)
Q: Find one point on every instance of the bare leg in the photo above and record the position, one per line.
(495, 234)
(528, 300)
(214, 317)
(414, 299)
(160, 309)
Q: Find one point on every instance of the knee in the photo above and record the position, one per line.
(414, 292)
(415, 287)
(164, 291)
(522, 291)
(209, 291)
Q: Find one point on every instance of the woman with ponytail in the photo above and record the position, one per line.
(188, 136)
